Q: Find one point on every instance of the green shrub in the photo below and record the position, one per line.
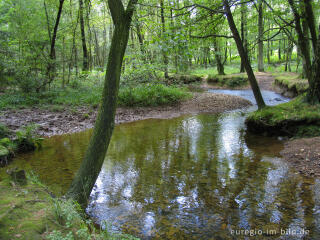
(151, 95)
(232, 81)
(27, 139)
(140, 74)
(179, 79)
(4, 131)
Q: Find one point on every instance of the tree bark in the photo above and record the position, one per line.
(260, 37)
(85, 66)
(217, 54)
(312, 69)
(244, 56)
(244, 30)
(90, 168)
(52, 55)
(164, 52)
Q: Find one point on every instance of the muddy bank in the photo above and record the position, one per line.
(54, 123)
(304, 155)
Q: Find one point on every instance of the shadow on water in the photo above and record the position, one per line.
(192, 177)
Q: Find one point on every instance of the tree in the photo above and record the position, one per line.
(260, 36)
(85, 66)
(52, 55)
(89, 170)
(244, 56)
(164, 36)
(312, 68)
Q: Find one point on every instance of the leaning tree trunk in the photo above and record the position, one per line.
(90, 168)
(244, 56)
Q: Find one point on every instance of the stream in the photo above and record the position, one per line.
(193, 177)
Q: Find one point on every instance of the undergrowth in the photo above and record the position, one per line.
(231, 80)
(29, 212)
(151, 95)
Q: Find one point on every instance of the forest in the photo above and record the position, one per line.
(168, 119)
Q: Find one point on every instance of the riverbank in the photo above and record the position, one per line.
(304, 155)
(30, 211)
(75, 120)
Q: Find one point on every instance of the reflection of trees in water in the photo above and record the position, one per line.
(179, 170)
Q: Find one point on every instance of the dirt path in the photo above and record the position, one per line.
(68, 121)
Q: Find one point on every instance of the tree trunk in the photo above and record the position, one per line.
(52, 56)
(85, 66)
(244, 56)
(312, 70)
(90, 168)
(260, 37)
(217, 54)
(244, 30)
(164, 52)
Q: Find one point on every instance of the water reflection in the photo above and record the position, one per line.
(193, 177)
(196, 178)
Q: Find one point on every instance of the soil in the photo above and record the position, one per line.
(55, 123)
(304, 155)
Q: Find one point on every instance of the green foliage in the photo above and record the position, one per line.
(232, 81)
(27, 140)
(140, 74)
(71, 217)
(203, 72)
(151, 95)
(4, 131)
(28, 81)
(3, 151)
(295, 118)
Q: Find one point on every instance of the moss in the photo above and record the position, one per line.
(295, 118)
(292, 82)
(231, 80)
(29, 212)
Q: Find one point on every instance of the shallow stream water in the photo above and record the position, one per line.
(192, 177)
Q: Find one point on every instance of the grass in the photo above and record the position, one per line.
(57, 100)
(202, 72)
(29, 212)
(293, 82)
(296, 118)
(151, 95)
